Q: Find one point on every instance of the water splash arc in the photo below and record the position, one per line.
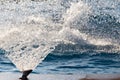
(30, 30)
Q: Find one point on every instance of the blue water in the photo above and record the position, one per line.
(84, 58)
(74, 63)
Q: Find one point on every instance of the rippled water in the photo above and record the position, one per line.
(77, 63)
(83, 36)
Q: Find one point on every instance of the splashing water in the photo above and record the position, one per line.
(30, 30)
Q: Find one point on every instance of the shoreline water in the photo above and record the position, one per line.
(15, 76)
(84, 34)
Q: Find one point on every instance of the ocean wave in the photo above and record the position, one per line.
(30, 30)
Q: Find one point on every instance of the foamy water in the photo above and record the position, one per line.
(30, 30)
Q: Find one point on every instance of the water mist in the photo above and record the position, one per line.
(30, 30)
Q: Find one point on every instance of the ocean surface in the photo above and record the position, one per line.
(72, 63)
(60, 36)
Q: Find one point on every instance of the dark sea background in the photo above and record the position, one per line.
(103, 23)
